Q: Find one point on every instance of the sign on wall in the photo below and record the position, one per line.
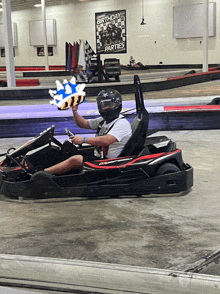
(188, 21)
(36, 32)
(111, 32)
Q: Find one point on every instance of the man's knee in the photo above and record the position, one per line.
(76, 160)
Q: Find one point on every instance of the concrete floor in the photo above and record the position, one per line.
(171, 231)
(165, 232)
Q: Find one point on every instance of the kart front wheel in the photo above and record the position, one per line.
(167, 168)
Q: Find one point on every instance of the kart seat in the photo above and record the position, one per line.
(136, 143)
(139, 125)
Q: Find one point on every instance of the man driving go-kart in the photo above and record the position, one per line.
(133, 164)
(113, 132)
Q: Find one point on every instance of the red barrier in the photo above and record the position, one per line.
(192, 75)
(36, 68)
(191, 108)
(214, 68)
(26, 82)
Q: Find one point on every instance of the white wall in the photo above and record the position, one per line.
(149, 44)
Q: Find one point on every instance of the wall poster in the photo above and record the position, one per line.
(111, 32)
(3, 52)
(40, 51)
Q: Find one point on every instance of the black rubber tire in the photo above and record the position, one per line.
(167, 168)
(41, 175)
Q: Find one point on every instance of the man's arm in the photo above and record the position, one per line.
(95, 141)
(79, 120)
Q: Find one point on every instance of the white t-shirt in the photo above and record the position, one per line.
(121, 130)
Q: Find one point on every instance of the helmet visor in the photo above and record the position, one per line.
(107, 104)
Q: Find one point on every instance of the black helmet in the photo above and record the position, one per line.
(109, 103)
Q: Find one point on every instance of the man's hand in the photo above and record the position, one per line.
(95, 141)
(77, 140)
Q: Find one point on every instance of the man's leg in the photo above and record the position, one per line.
(75, 161)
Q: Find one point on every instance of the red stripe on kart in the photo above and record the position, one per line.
(145, 157)
(113, 159)
(16, 168)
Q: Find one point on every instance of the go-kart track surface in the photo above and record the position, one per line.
(161, 232)
(180, 232)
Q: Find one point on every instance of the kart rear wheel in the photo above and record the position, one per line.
(167, 168)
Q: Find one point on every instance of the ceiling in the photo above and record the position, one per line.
(27, 4)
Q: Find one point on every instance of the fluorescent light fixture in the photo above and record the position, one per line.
(142, 22)
(37, 5)
(1, 9)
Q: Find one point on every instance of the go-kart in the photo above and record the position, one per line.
(146, 165)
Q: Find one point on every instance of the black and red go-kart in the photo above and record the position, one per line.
(146, 165)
